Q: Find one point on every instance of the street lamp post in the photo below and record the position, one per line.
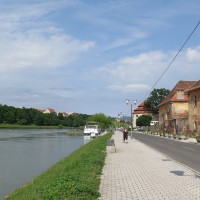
(134, 102)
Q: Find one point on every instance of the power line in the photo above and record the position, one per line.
(171, 61)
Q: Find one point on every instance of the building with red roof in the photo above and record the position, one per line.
(49, 110)
(140, 110)
(41, 110)
(194, 108)
(173, 110)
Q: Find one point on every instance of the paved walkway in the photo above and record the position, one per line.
(138, 172)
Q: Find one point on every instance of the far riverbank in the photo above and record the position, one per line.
(17, 126)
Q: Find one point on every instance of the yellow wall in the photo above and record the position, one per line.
(194, 112)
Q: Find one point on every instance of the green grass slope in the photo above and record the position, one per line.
(75, 177)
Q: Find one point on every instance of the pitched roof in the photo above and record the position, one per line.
(141, 109)
(41, 110)
(194, 87)
(182, 86)
(51, 110)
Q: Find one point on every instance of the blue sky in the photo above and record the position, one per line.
(89, 56)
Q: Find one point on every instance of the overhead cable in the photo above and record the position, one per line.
(171, 61)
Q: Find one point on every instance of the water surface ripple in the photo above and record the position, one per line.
(27, 153)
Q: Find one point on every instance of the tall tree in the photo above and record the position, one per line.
(103, 120)
(144, 120)
(155, 98)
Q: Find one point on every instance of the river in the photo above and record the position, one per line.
(27, 153)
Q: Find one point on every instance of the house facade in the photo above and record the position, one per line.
(49, 110)
(174, 111)
(194, 108)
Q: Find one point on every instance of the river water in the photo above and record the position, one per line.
(27, 153)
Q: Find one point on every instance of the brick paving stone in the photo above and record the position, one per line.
(139, 172)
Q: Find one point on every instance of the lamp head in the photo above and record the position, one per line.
(134, 101)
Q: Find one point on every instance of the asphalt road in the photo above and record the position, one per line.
(185, 153)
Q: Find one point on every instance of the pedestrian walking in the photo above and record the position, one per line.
(125, 134)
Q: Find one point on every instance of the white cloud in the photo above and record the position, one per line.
(139, 73)
(132, 69)
(129, 87)
(33, 49)
(65, 92)
(131, 35)
(29, 40)
(22, 12)
(193, 54)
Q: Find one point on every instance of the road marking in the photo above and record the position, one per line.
(188, 148)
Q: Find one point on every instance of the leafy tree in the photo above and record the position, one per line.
(32, 112)
(51, 119)
(144, 120)
(22, 116)
(9, 117)
(75, 120)
(103, 120)
(39, 119)
(155, 98)
(1, 114)
(60, 116)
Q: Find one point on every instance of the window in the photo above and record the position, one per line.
(180, 94)
(195, 101)
(195, 126)
(169, 108)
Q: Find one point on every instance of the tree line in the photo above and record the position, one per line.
(31, 116)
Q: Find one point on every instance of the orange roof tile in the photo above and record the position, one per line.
(41, 110)
(182, 86)
(141, 109)
(194, 87)
(51, 110)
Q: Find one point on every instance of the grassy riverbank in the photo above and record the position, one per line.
(75, 177)
(17, 126)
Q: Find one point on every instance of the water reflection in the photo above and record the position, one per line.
(26, 153)
(86, 140)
